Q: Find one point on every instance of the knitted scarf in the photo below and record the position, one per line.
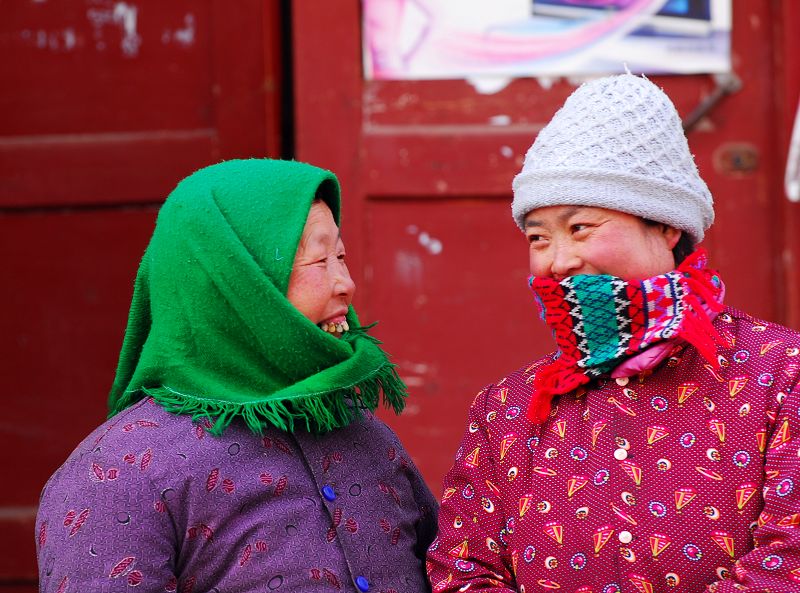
(210, 331)
(599, 321)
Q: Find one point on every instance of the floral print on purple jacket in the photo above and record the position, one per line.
(150, 502)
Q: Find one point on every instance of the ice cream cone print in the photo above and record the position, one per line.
(443, 583)
(448, 493)
(506, 443)
(790, 521)
(735, 385)
(685, 391)
(724, 541)
(713, 372)
(460, 551)
(633, 470)
(525, 503)
(597, 428)
(501, 395)
(560, 428)
(555, 530)
(744, 494)
(656, 433)
(717, 428)
(761, 440)
(658, 543)
(490, 485)
(471, 460)
(765, 518)
(575, 483)
(782, 435)
(642, 585)
(769, 346)
(601, 537)
(684, 496)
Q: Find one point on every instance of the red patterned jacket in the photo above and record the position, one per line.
(685, 479)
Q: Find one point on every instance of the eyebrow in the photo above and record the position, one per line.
(563, 217)
(305, 243)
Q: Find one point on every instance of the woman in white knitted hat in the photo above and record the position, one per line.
(653, 450)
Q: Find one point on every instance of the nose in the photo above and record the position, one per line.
(565, 262)
(343, 283)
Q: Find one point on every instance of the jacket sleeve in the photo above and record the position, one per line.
(103, 529)
(428, 512)
(774, 564)
(469, 549)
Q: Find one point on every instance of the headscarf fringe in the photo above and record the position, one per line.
(315, 412)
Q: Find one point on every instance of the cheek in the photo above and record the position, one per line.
(306, 287)
(537, 262)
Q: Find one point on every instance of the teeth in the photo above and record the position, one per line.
(334, 327)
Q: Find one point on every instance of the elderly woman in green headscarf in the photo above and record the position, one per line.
(241, 453)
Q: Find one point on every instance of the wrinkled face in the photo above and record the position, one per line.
(320, 286)
(570, 240)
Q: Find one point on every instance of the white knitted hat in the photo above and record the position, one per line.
(617, 143)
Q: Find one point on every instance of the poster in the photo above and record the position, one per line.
(440, 39)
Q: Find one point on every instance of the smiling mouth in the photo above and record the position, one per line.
(334, 328)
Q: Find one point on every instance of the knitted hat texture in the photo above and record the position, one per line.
(617, 143)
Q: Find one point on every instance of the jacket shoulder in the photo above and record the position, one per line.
(513, 390)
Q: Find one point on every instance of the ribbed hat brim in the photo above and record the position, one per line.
(626, 192)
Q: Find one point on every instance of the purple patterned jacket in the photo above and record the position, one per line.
(684, 479)
(152, 501)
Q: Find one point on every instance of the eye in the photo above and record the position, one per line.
(578, 227)
(534, 238)
(341, 256)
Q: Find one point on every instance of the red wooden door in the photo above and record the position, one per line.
(426, 174)
(105, 106)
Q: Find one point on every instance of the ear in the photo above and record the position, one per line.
(671, 236)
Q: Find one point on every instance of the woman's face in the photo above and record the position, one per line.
(320, 286)
(570, 240)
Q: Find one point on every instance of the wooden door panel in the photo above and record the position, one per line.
(105, 107)
(450, 298)
(69, 295)
(411, 151)
(101, 89)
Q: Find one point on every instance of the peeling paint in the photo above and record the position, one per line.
(408, 268)
(546, 82)
(500, 120)
(433, 245)
(489, 85)
(64, 40)
(184, 36)
(125, 16)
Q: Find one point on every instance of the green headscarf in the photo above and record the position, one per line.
(210, 330)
